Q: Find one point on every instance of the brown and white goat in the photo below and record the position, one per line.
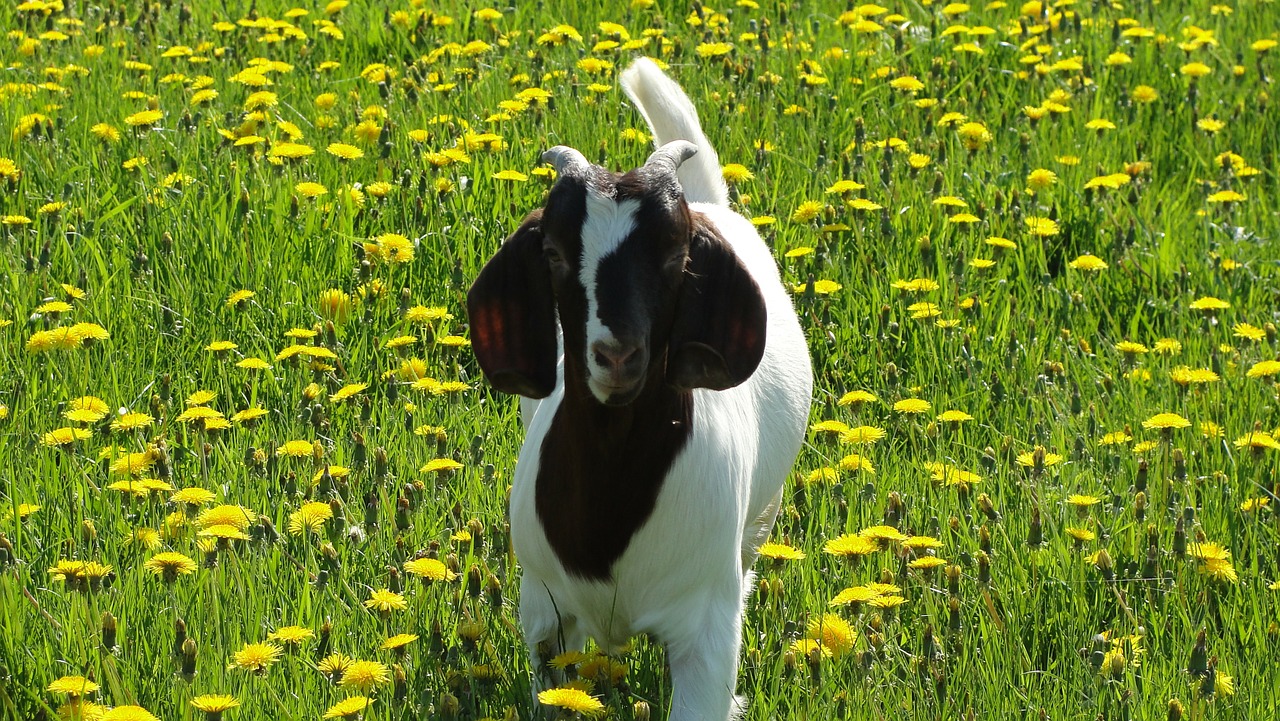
(674, 385)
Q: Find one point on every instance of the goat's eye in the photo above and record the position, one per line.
(552, 255)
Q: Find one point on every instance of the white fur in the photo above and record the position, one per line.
(607, 224)
(685, 574)
(671, 116)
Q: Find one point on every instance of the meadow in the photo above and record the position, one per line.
(249, 469)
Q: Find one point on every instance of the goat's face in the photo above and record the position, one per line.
(616, 248)
(617, 259)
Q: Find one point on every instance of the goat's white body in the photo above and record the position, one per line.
(685, 573)
(683, 577)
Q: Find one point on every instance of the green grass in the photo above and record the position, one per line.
(1031, 355)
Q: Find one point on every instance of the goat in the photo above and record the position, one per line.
(672, 385)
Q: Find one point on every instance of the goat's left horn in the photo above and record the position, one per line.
(670, 156)
(566, 161)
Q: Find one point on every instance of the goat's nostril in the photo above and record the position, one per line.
(614, 357)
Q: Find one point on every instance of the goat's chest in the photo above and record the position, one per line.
(595, 480)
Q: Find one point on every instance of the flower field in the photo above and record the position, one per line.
(249, 469)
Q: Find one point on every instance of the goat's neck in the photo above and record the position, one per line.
(602, 467)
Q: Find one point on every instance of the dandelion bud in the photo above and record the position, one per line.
(813, 659)
(1151, 565)
(928, 646)
(88, 532)
(371, 511)
(924, 246)
(1116, 664)
(895, 510)
(984, 539)
(475, 582)
(777, 588)
(890, 374)
(1175, 710)
(360, 454)
(953, 579)
(448, 706)
(381, 464)
(984, 568)
(954, 623)
(493, 589)
(1208, 682)
(1180, 539)
(189, 659)
(400, 684)
(1102, 561)
(1179, 465)
(453, 562)
(640, 711)
(989, 458)
(1140, 482)
(108, 630)
(329, 556)
(1270, 330)
(1098, 652)
(987, 507)
(179, 635)
(7, 555)
(789, 662)
(1140, 506)
(1035, 535)
(876, 640)
(1198, 664)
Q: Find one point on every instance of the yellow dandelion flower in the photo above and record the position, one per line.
(365, 675)
(780, 552)
(72, 686)
(912, 406)
(1264, 369)
(348, 707)
(256, 657)
(1088, 262)
(1165, 421)
(833, 632)
(429, 569)
(572, 699)
(345, 151)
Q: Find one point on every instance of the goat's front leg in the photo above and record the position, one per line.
(704, 665)
(547, 633)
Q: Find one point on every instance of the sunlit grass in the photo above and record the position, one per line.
(1032, 248)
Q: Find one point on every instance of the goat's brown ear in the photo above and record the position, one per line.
(718, 336)
(513, 315)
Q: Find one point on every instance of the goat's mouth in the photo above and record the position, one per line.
(615, 392)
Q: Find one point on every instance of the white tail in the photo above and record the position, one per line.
(671, 116)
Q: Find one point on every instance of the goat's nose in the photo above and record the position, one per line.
(614, 356)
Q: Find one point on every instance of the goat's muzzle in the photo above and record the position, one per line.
(618, 371)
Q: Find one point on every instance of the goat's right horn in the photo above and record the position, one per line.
(566, 161)
(670, 156)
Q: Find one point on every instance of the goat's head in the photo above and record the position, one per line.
(644, 290)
